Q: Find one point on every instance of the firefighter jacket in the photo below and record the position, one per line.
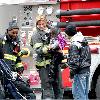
(11, 49)
(40, 47)
(79, 57)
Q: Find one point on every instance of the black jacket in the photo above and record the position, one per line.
(11, 48)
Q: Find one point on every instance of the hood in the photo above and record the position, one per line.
(77, 39)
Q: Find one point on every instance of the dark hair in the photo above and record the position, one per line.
(70, 30)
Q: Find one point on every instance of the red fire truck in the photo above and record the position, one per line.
(85, 14)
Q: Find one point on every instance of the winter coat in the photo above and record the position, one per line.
(11, 48)
(79, 57)
(39, 42)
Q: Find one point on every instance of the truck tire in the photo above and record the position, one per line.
(97, 89)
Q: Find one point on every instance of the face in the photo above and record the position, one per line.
(13, 33)
(41, 24)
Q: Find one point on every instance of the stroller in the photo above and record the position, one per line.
(10, 90)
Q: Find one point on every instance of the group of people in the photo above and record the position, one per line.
(50, 56)
(45, 44)
(48, 51)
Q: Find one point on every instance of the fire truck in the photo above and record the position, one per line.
(85, 14)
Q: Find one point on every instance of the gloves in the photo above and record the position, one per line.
(23, 52)
(45, 49)
(20, 70)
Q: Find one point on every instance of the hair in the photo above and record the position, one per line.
(41, 18)
(9, 29)
(39, 21)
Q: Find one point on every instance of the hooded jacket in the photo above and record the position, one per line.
(79, 57)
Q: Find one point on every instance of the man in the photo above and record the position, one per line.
(79, 61)
(11, 47)
(39, 42)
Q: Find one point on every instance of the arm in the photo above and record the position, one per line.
(22, 86)
(74, 59)
(37, 45)
(19, 65)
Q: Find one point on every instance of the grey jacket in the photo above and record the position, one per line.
(39, 46)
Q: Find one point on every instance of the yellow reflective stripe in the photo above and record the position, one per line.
(38, 45)
(47, 62)
(43, 63)
(45, 49)
(3, 42)
(19, 65)
(10, 57)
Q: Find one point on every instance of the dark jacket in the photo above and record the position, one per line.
(79, 57)
(40, 47)
(11, 48)
(22, 86)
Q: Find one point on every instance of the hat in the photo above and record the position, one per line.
(70, 30)
(12, 25)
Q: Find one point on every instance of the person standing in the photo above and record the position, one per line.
(79, 61)
(40, 42)
(57, 57)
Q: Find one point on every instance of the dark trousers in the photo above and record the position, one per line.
(57, 83)
(46, 85)
(2, 94)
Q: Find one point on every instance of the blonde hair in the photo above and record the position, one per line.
(41, 17)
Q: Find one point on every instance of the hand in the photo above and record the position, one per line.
(60, 51)
(49, 47)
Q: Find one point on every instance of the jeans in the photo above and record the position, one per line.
(80, 87)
